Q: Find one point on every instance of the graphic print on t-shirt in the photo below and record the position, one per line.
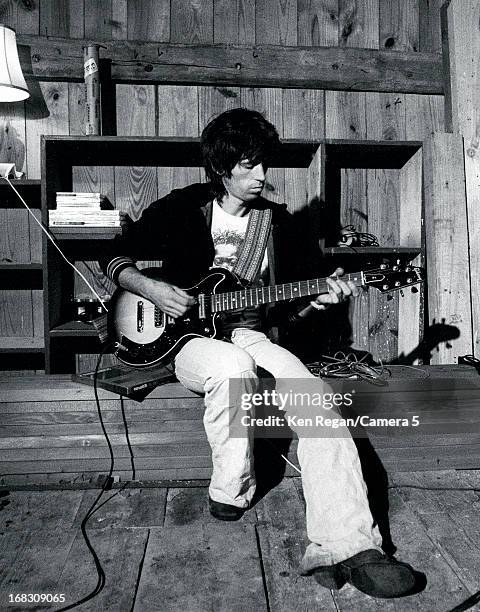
(227, 248)
(228, 234)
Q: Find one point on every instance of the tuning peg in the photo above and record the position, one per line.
(414, 290)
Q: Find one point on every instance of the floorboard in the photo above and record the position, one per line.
(282, 536)
(127, 508)
(161, 549)
(202, 567)
(120, 552)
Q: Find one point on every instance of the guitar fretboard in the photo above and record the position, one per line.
(255, 296)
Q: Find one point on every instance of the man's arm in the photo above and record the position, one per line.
(170, 299)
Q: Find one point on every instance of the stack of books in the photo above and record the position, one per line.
(78, 209)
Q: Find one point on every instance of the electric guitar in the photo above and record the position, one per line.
(146, 336)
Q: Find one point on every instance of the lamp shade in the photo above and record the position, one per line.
(12, 82)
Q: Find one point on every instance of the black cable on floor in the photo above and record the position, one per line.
(106, 484)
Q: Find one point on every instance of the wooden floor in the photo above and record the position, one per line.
(161, 550)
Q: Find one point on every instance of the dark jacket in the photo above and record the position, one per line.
(176, 230)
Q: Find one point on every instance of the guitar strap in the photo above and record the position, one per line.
(256, 238)
(253, 248)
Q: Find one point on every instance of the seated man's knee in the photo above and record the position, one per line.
(235, 363)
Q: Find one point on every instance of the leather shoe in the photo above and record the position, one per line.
(372, 573)
(225, 512)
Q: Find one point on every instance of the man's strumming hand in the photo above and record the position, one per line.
(169, 298)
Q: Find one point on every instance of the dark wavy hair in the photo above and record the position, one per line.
(235, 135)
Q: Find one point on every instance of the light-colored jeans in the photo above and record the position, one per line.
(339, 522)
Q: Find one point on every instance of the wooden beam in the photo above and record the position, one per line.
(351, 69)
(461, 38)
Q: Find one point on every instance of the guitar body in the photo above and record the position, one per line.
(147, 336)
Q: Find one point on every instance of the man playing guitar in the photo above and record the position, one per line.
(227, 222)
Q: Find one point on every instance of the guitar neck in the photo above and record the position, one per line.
(255, 296)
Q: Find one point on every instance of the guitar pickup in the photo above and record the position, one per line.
(201, 306)
(140, 320)
(158, 317)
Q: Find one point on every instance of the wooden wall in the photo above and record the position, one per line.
(371, 198)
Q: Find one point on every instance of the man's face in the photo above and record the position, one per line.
(246, 181)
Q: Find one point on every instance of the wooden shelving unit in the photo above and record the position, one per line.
(20, 352)
(62, 154)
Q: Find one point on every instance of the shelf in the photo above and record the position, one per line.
(23, 182)
(182, 152)
(74, 329)
(21, 275)
(85, 233)
(13, 344)
(378, 251)
(19, 266)
(29, 188)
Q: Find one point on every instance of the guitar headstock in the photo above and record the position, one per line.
(388, 278)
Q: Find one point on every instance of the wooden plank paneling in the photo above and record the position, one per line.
(234, 21)
(12, 135)
(354, 211)
(317, 23)
(62, 18)
(14, 237)
(303, 113)
(410, 320)
(385, 121)
(28, 17)
(177, 110)
(462, 114)
(191, 21)
(345, 115)
(430, 35)
(269, 102)
(383, 222)
(16, 313)
(424, 116)
(8, 13)
(46, 113)
(177, 116)
(76, 109)
(98, 19)
(149, 20)
(446, 236)
(386, 116)
(119, 19)
(135, 187)
(358, 23)
(276, 22)
(399, 24)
